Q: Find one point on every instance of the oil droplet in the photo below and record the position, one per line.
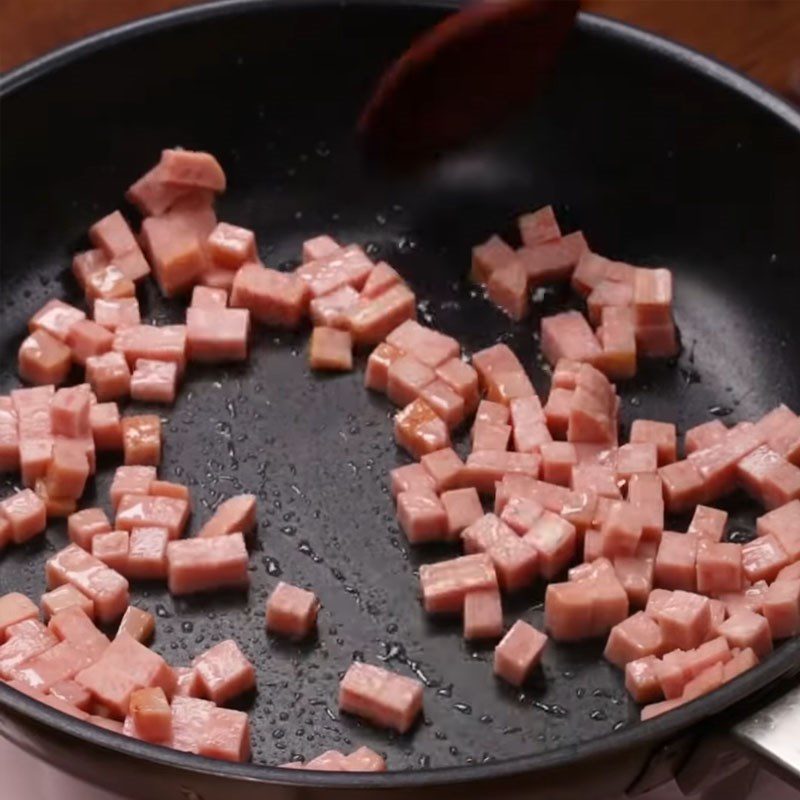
(464, 708)
(720, 411)
(187, 626)
(162, 612)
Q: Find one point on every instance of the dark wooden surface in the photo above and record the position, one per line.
(759, 37)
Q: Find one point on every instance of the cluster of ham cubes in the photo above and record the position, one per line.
(629, 308)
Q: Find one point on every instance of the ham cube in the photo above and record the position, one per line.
(73, 625)
(25, 513)
(207, 564)
(329, 761)
(568, 610)
(113, 234)
(641, 680)
(141, 440)
(684, 486)
(784, 525)
(502, 374)
(483, 615)
(411, 478)
(676, 562)
(112, 549)
(492, 413)
(66, 596)
(273, 298)
(485, 468)
(56, 318)
(109, 376)
(445, 584)
(608, 294)
(56, 506)
(406, 378)
(191, 169)
(635, 458)
(426, 345)
(292, 611)
(117, 312)
(372, 320)
(186, 683)
(176, 253)
(380, 279)
(227, 736)
(708, 523)
(191, 719)
(507, 288)
(444, 467)
(319, 247)
(632, 639)
(331, 310)
(86, 339)
(652, 296)
(365, 760)
(323, 277)
(662, 434)
(555, 540)
(595, 478)
(147, 554)
(86, 264)
(150, 715)
(34, 456)
(539, 226)
(70, 412)
(169, 489)
(162, 343)
(708, 680)
(741, 662)
(751, 599)
(422, 517)
(557, 410)
(154, 381)
(9, 436)
(790, 573)
(131, 480)
(69, 692)
(553, 261)
(109, 283)
(381, 697)
(717, 464)
(236, 514)
(635, 573)
(26, 640)
(591, 419)
(137, 624)
(490, 436)
(782, 608)
(657, 341)
(217, 335)
(209, 298)
(462, 379)
(701, 437)
(528, 422)
(568, 335)
(56, 664)
(748, 629)
(15, 608)
(137, 511)
(490, 256)
(590, 271)
(462, 507)
(43, 359)
(520, 513)
(224, 672)
(445, 401)
(763, 558)
(558, 459)
(231, 246)
(719, 567)
(382, 357)
(684, 620)
(419, 430)
(519, 652)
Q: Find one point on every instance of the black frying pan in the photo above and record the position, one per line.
(659, 155)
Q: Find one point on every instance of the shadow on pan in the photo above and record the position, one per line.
(659, 156)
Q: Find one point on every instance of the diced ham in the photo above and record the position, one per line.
(15, 608)
(112, 549)
(445, 468)
(507, 288)
(425, 344)
(191, 169)
(683, 485)
(422, 517)
(719, 567)
(86, 339)
(9, 436)
(273, 298)
(331, 309)
(784, 525)
(708, 523)
(539, 226)
(419, 430)
(169, 489)
(216, 278)
(113, 234)
(231, 246)
(292, 611)
(43, 359)
(137, 511)
(154, 381)
(131, 480)
(617, 337)
(384, 698)
(529, 424)
(741, 662)
(25, 640)
(59, 663)
(108, 283)
(494, 413)
(462, 378)
(186, 683)
(484, 468)
(684, 620)
(206, 564)
(411, 478)
(708, 680)
(591, 270)
(236, 514)
(371, 321)
(632, 639)
(750, 599)
(209, 298)
(493, 436)
(86, 264)
(380, 279)
(490, 256)
(69, 692)
(34, 458)
(662, 434)
(462, 507)
(65, 596)
(557, 409)
(73, 625)
(55, 505)
(519, 652)
(748, 629)
(558, 459)
(147, 553)
(445, 584)
(137, 624)
(641, 680)
(585, 608)
(376, 376)
(26, 514)
(501, 374)
(790, 573)
(224, 672)
(622, 531)
(608, 294)
(117, 312)
(150, 715)
(406, 377)
(69, 411)
(520, 513)
(109, 376)
(595, 478)
(365, 760)
(483, 615)
(636, 458)
(555, 541)
(703, 436)
(591, 419)
(657, 341)
(782, 608)
(676, 561)
(568, 335)
(56, 318)
(141, 440)
(549, 262)
(763, 558)
(445, 401)
(217, 335)
(652, 296)
(319, 247)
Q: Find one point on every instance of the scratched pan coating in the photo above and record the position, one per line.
(657, 161)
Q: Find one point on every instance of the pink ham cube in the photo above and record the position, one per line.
(66, 596)
(175, 251)
(595, 478)
(86, 338)
(9, 436)
(425, 344)
(73, 625)
(763, 558)
(26, 640)
(676, 561)
(150, 715)
(684, 620)
(131, 480)
(226, 736)
(555, 540)
(207, 564)
(15, 608)
(490, 256)
(748, 629)
(621, 531)
(109, 283)
(683, 485)
(292, 611)
(69, 692)
(445, 584)
(209, 298)
(411, 478)
(224, 672)
(707, 681)
(422, 517)
(231, 246)
(217, 335)
(557, 410)
(85, 264)
(608, 294)
(154, 381)
(782, 608)
(365, 760)
(319, 247)
(273, 298)
(137, 624)
(703, 436)
(331, 310)
(784, 525)
(708, 523)
(539, 227)
(591, 419)
(331, 350)
(56, 318)
(520, 513)
(662, 434)
(109, 376)
(112, 549)
(741, 662)
(236, 514)
(462, 507)
(502, 374)
(636, 458)
(141, 440)
(652, 296)
(59, 663)
(147, 554)
(383, 698)
(372, 320)
(191, 169)
(159, 343)
(445, 401)
(635, 573)
(528, 422)
(719, 567)
(490, 436)
(568, 610)
(553, 261)
(116, 312)
(462, 378)
(186, 683)
(137, 511)
(382, 357)
(25, 513)
(419, 430)
(641, 680)
(68, 469)
(751, 599)
(519, 652)
(591, 270)
(494, 413)
(558, 459)
(507, 288)
(113, 234)
(635, 638)
(43, 359)
(382, 278)
(483, 615)
(169, 489)
(406, 377)
(216, 278)
(444, 467)
(568, 335)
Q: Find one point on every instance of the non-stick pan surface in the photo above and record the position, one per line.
(659, 156)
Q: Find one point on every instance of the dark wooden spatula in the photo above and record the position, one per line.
(463, 77)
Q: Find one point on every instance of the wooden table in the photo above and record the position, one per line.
(759, 37)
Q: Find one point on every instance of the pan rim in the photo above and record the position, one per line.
(655, 731)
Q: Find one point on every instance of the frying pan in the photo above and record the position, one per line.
(659, 155)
